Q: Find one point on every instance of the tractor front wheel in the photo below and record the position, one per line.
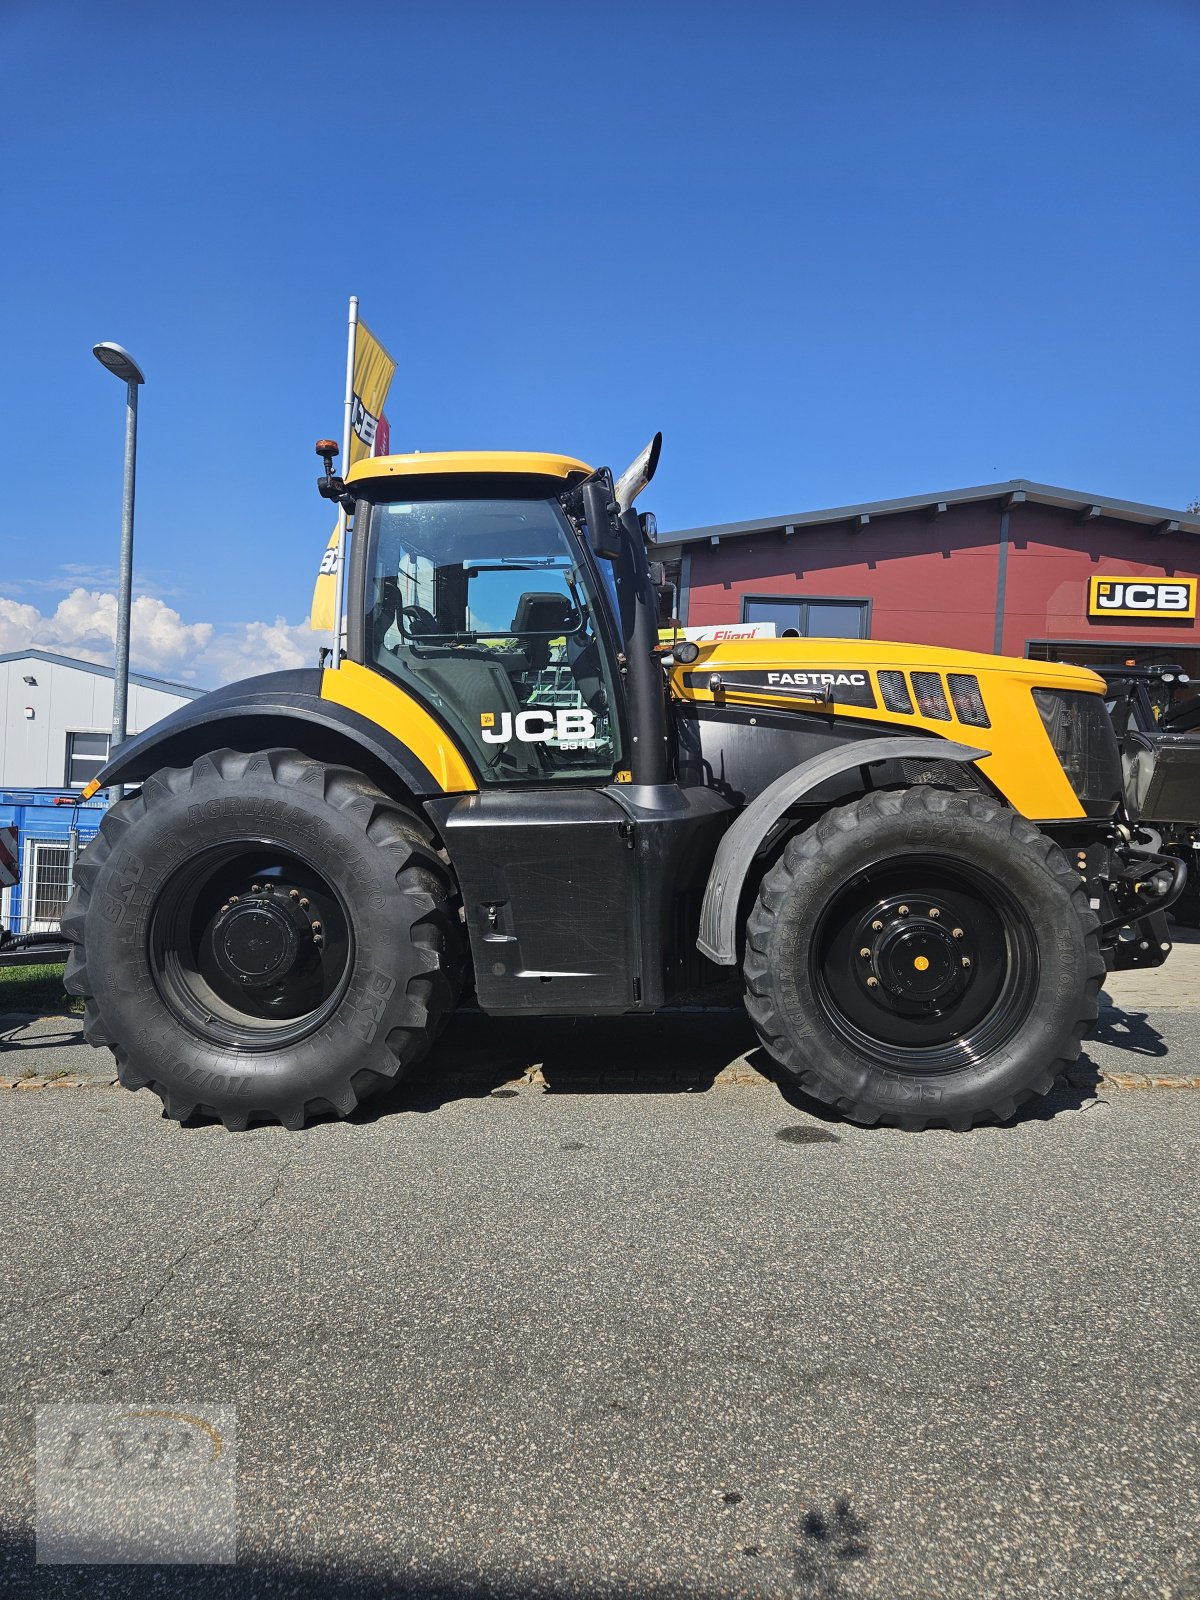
(922, 956)
(262, 937)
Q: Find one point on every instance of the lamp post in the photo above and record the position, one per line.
(121, 363)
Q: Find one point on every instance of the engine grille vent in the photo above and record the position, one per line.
(931, 696)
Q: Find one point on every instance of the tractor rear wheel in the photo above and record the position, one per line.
(262, 937)
(921, 956)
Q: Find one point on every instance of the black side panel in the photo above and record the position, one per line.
(279, 708)
(548, 880)
(739, 751)
(582, 900)
(676, 834)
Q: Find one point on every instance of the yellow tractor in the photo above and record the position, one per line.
(920, 859)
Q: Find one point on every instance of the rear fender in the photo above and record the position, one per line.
(739, 846)
(279, 709)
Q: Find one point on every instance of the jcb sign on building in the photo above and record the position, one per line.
(1147, 598)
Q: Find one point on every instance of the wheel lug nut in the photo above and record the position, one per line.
(877, 926)
(293, 894)
(256, 888)
(957, 932)
(303, 905)
(865, 953)
(233, 899)
(316, 927)
(966, 961)
(934, 912)
(872, 983)
(225, 908)
(901, 911)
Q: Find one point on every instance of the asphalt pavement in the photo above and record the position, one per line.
(650, 1333)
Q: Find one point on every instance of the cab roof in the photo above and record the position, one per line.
(457, 463)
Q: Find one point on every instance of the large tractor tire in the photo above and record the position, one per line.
(922, 957)
(262, 937)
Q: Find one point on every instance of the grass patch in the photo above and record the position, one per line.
(38, 989)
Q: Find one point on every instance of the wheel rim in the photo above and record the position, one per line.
(924, 963)
(249, 945)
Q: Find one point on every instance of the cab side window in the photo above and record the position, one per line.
(483, 609)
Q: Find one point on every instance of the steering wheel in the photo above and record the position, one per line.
(419, 621)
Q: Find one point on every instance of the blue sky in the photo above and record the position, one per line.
(835, 251)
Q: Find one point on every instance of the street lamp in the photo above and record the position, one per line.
(121, 363)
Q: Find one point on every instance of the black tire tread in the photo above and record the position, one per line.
(421, 876)
(806, 846)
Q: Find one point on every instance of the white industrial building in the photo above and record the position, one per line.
(55, 721)
(56, 716)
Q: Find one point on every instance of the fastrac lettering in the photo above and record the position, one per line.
(819, 680)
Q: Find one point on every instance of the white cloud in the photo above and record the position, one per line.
(77, 574)
(84, 624)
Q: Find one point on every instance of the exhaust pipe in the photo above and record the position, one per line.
(638, 473)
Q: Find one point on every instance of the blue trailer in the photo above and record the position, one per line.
(51, 827)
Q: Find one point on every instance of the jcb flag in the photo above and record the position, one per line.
(373, 371)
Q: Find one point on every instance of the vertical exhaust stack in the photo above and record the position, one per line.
(638, 473)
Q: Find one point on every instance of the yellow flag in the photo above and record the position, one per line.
(373, 372)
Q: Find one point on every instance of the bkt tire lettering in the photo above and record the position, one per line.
(538, 727)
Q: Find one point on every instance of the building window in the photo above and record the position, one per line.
(86, 754)
(811, 619)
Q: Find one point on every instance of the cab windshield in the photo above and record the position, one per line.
(486, 609)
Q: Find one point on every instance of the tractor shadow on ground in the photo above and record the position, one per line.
(672, 1053)
(676, 1053)
(1131, 1031)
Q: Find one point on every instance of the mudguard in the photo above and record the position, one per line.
(718, 916)
(280, 709)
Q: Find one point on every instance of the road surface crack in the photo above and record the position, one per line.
(244, 1229)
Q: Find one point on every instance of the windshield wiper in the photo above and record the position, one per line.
(518, 564)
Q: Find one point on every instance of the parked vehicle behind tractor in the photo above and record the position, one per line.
(921, 860)
(1156, 714)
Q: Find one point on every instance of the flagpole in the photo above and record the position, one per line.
(339, 563)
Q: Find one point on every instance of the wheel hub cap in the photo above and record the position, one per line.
(260, 939)
(913, 958)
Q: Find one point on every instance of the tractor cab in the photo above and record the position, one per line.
(474, 587)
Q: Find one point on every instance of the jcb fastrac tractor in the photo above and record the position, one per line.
(920, 859)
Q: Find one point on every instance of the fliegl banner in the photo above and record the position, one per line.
(373, 373)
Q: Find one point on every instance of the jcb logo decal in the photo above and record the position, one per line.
(538, 727)
(1142, 597)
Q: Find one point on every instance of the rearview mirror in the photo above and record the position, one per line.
(600, 512)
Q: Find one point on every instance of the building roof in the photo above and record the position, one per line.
(189, 691)
(1158, 519)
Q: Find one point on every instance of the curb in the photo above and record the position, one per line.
(737, 1076)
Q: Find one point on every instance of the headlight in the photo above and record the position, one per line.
(1081, 732)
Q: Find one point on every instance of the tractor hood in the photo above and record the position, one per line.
(960, 695)
(831, 670)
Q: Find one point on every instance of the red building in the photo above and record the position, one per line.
(1019, 568)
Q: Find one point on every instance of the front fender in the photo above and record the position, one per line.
(718, 916)
(277, 709)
